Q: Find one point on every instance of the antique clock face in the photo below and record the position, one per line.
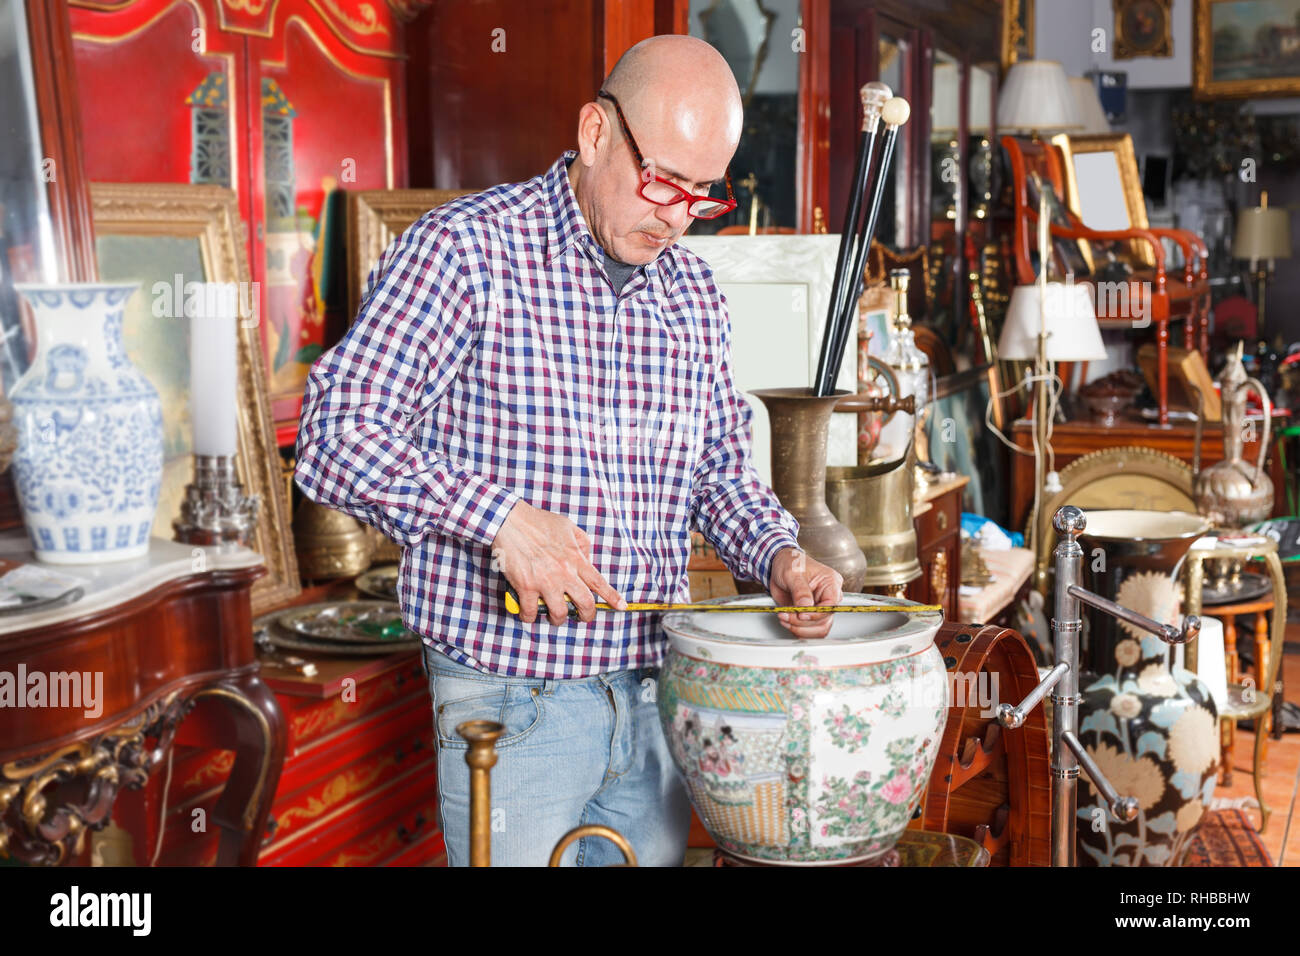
(1142, 28)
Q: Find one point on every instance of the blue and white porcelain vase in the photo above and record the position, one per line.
(1152, 728)
(90, 441)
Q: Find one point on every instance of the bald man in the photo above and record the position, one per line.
(537, 393)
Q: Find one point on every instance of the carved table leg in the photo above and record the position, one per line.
(1263, 723)
(1162, 368)
(1230, 657)
(258, 738)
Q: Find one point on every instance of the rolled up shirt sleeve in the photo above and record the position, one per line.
(355, 450)
(739, 515)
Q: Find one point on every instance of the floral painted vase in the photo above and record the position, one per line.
(1153, 729)
(90, 450)
(804, 752)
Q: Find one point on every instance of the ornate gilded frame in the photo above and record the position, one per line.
(1125, 48)
(375, 218)
(1206, 88)
(1127, 477)
(1017, 31)
(1121, 144)
(210, 215)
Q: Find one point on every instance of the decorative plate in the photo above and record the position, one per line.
(348, 622)
(380, 582)
(269, 632)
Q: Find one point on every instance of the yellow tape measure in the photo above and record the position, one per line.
(512, 605)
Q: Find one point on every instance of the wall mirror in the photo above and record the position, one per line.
(27, 250)
(753, 36)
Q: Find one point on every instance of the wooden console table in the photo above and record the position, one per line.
(1074, 439)
(162, 632)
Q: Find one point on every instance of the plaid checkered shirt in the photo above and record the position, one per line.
(492, 362)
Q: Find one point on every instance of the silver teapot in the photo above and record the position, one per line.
(1230, 492)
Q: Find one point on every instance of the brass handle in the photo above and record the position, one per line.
(941, 519)
(1268, 420)
(594, 829)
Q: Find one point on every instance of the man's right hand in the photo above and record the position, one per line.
(548, 556)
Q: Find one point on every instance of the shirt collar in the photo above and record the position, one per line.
(566, 226)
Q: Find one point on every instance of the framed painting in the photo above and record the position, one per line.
(1104, 168)
(777, 290)
(1246, 48)
(1143, 28)
(1017, 31)
(375, 218)
(165, 236)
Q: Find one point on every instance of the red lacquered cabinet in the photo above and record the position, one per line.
(358, 787)
(287, 102)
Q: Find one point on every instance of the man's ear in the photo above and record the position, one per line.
(593, 132)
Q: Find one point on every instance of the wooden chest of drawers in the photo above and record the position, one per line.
(938, 546)
(358, 787)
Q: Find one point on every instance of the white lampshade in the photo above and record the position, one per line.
(1072, 332)
(1263, 233)
(1087, 106)
(1036, 96)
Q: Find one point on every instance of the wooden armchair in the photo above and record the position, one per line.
(1148, 292)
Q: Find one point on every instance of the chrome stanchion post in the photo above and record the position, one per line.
(1066, 627)
(1068, 754)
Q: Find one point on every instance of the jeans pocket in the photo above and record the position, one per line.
(456, 700)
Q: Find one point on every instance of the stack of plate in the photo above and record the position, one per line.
(379, 581)
(355, 628)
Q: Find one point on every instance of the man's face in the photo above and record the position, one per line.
(684, 151)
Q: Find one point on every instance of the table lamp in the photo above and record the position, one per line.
(1048, 322)
(1263, 235)
(1036, 98)
(1087, 107)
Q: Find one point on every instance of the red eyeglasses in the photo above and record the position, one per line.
(662, 192)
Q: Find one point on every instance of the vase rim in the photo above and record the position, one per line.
(1180, 525)
(76, 286)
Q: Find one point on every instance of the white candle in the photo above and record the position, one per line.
(214, 395)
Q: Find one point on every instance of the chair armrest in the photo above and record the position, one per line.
(1191, 244)
(1123, 235)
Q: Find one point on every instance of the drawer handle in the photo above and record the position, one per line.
(941, 519)
(405, 835)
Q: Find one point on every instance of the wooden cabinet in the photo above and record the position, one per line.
(358, 786)
(1078, 438)
(286, 102)
(938, 545)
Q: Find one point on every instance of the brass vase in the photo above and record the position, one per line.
(329, 543)
(799, 423)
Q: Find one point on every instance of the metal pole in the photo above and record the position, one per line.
(1066, 626)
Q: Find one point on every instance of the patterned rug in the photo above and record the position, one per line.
(1227, 838)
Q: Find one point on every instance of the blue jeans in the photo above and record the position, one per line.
(574, 752)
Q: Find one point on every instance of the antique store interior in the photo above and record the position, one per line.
(1066, 282)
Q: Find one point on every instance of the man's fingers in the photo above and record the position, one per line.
(557, 609)
(602, 588)
(582, 600)
(527, 605)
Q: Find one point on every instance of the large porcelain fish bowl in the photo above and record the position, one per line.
(804, 751)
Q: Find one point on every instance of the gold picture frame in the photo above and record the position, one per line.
(144, 232)
(1121, 145)
(375, 218)
(1129, 21)
(1127, 477)
(1204, 66)
(1017, 31)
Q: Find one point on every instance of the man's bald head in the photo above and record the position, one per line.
(684, 109)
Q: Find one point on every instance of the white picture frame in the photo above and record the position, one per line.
(778, 290)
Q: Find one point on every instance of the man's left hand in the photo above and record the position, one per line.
(798, 580)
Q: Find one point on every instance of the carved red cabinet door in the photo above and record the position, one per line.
(289, 103)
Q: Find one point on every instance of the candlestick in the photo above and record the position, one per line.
(214, 395)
